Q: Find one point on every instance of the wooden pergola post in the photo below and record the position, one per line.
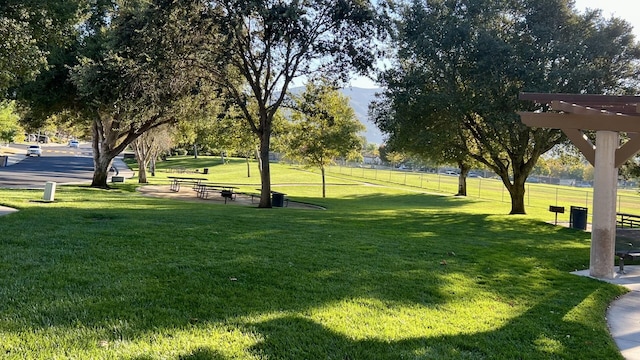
(608, 116)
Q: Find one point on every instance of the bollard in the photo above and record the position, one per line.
(49, 191)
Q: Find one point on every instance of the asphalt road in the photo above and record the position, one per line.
(61, 164)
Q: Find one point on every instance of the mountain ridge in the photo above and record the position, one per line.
(359, 99)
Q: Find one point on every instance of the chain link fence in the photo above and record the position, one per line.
(536, 195)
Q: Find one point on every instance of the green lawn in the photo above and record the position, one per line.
(383, 273)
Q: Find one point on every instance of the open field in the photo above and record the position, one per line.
(538, 196)
(383, 273)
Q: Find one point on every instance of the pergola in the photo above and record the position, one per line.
(608, 116)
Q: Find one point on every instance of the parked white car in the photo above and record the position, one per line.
(34, 150)
(74, 144)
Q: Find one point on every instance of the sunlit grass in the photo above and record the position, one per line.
(383, 273)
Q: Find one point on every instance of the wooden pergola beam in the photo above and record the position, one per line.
(557, 105)
(581, 99)
(582, 122)
(580, 140)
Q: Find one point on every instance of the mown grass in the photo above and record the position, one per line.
(383, 273)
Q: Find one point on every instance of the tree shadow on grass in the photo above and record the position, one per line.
(296, 337)
(130, 272)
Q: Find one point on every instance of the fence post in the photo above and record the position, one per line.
(619, 201)
(586, 201)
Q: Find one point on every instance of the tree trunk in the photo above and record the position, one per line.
(462, 178)
(248, 166)
(102, 157)
(516, 191)
(102, 165)
(265, 170)
(195, 150)
(142, 172)
(324, 186)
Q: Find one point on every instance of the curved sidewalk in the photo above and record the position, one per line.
(623, 315)
(6, 210)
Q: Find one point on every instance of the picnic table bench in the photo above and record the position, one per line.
(629, 220)
(226, 191)
(177, 180)
(628, 254)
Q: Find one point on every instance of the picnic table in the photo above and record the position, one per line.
(177, 180)
(225, 190)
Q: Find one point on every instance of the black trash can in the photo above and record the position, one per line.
(578, 218)
(205, 171)
(277, 199)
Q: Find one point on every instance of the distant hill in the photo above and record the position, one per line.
(360, 100)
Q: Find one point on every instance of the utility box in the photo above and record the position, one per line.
(49, 191)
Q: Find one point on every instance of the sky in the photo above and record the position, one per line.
(628, 10)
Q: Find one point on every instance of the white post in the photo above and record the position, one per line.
(603, 226)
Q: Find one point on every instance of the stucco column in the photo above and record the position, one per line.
(605, 188)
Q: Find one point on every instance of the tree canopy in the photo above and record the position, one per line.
(460, 65)
(28, 30)
(323, 128)
(268, 43)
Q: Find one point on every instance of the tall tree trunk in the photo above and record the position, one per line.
(102, 156)
(142, 172)
(265, 170)
(324, 185)
(102, 165)
(462, 178)
(248, 166)
(517, 192)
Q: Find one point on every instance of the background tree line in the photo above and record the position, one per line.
(222, 69)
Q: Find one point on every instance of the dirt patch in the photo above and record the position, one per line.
(186, 193)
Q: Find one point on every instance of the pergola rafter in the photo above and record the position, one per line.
(608, 115)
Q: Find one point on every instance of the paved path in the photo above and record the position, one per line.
(623, 315)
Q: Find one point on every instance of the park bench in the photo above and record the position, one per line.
(629, 254)
(629, 220)
(176, 181)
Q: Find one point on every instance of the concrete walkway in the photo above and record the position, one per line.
(623, 315)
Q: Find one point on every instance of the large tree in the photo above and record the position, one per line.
(130, 83)
(122, 75)
(467, 60)
(269, 43)
(323, 128)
